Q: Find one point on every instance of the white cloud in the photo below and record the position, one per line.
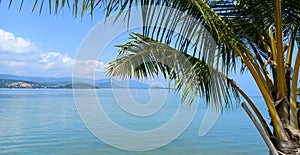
(10, 43)
(19, 59)
(55, 60)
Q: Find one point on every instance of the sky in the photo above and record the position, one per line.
(47, 45)
(42, 45)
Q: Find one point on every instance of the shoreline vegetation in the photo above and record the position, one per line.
(19, 82)
(7, 83)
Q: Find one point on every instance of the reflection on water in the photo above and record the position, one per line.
(47, 122)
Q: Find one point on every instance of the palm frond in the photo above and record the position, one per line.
(186, 17)
(143, 57)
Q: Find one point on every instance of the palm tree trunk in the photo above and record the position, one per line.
(292, 145)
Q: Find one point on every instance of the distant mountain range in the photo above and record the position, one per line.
(14, 81)
(37, 79)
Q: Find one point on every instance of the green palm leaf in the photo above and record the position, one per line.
(263, 35)
(145, 58)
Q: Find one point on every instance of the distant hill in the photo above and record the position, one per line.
(14, 81)
(64, 80)
(7, 83)
(109, 83)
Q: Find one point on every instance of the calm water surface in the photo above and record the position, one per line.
(34, 121)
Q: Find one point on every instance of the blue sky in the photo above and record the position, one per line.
(46, 45)
(62, 32)
(41, 45)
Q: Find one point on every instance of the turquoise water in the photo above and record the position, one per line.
(34, 121)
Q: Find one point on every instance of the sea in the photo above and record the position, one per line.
(47, 121)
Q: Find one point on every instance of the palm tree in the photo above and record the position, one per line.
(263, 36)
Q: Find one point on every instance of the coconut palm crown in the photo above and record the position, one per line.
(261, 37)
